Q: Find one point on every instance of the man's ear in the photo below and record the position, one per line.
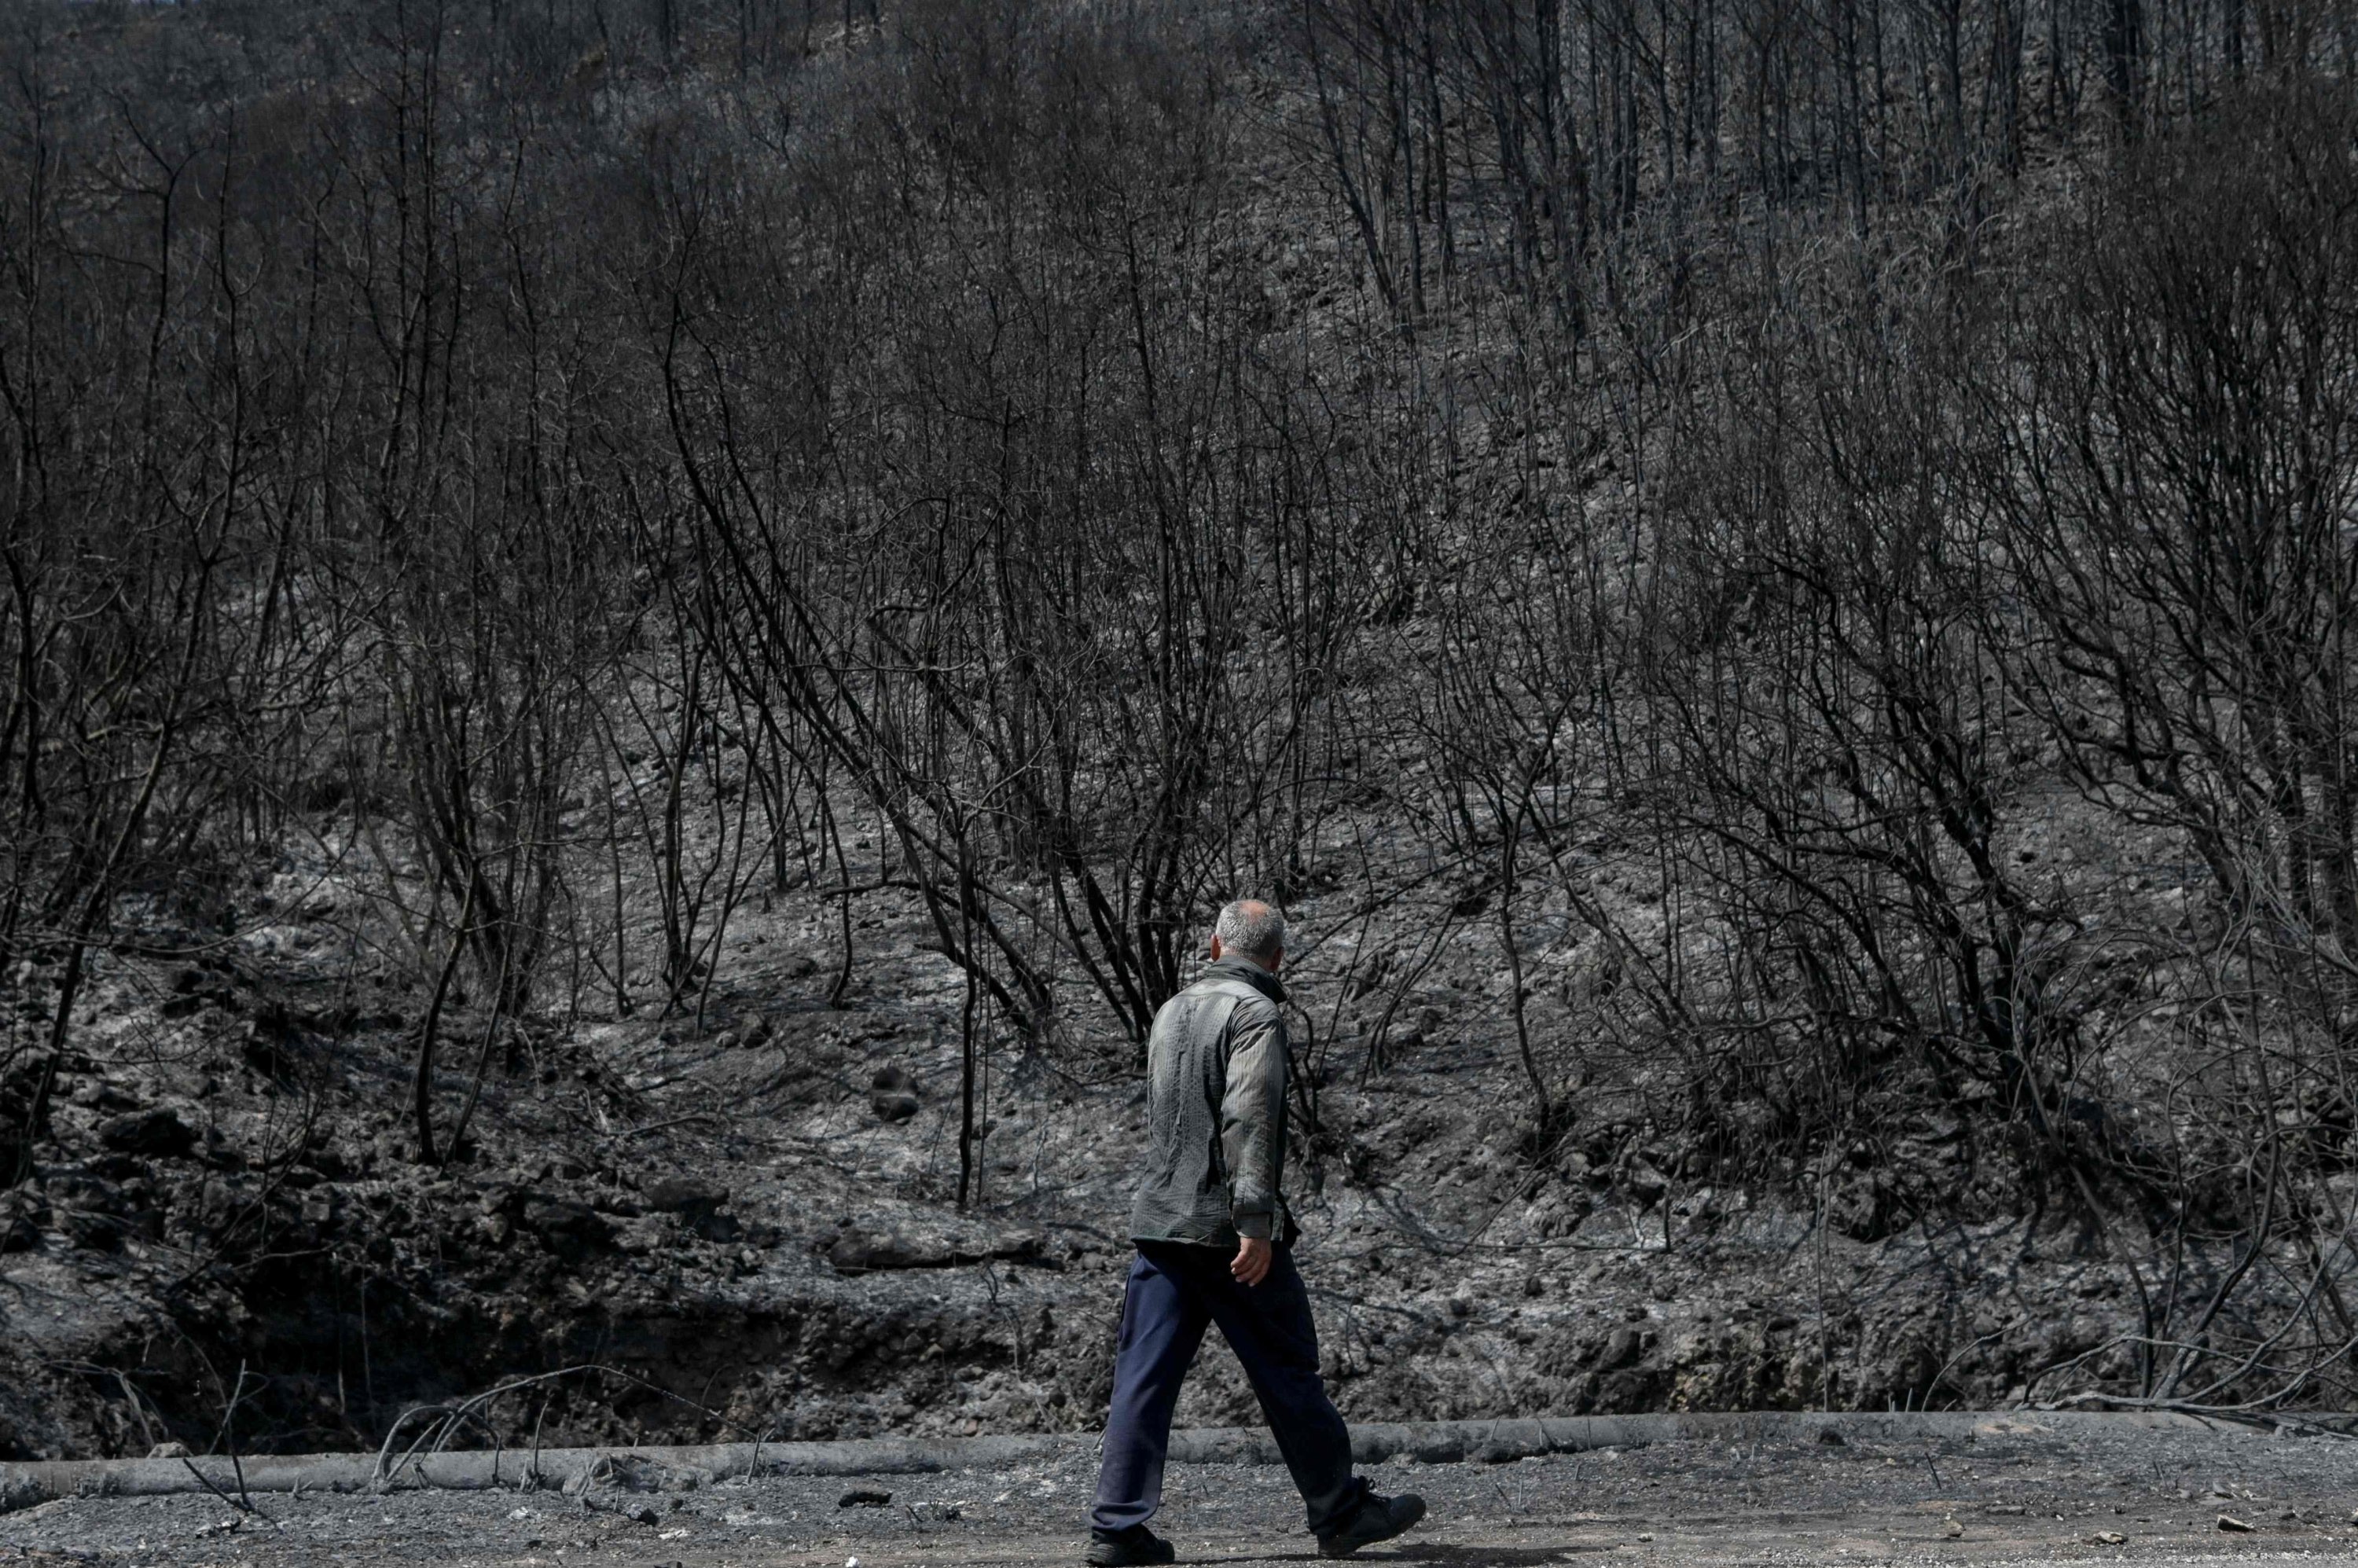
(1215, 949)
(1275, 959)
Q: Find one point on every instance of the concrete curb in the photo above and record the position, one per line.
(579, 1470)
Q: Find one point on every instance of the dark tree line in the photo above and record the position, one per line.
(1814, 539)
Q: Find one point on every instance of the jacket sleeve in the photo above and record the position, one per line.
(1253, 1117)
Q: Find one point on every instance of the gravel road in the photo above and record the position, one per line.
(2013, 1491)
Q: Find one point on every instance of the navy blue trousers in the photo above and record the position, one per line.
(1174, 1290)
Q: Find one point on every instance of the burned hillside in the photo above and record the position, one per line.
(642, 635)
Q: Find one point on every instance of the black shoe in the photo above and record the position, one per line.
(1379, 1519)
(1121, 1548)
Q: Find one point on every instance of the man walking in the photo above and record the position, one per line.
(1214, 1245)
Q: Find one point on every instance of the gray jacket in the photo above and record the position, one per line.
(1215, 1111)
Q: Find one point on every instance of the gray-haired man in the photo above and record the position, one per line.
(1214, 1245)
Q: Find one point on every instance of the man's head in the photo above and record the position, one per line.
(1251, 929)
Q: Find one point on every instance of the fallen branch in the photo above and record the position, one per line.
(452, 1416)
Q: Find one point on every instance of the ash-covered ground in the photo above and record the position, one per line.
(741, 1220)
(2016, 1490)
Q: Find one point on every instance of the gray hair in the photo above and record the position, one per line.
(1252, 929)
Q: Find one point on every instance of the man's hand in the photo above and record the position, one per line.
(1254, 1255)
